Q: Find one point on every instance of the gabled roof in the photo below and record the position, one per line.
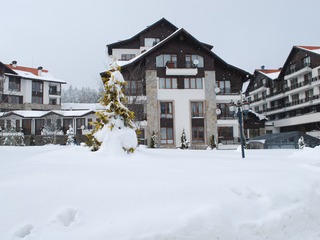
(31, 73)
(34, 71)
(42, 114)
(137, 36)
(172, 36)
(312, 49)
(269, 73)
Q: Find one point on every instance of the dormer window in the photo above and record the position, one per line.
(150, 42)
(306, 61)
(127, 57)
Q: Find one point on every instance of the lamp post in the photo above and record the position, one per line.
(238, 110)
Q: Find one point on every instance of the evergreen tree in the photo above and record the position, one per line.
(153, 143)
(70, 134)
(212, 142)
(116, 116)
(184, 141)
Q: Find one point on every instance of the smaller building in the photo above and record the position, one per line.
(26, 88)
(285, 140)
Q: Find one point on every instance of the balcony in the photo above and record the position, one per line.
(181, 71)
(294, 104)
(293, 74)
(54, 92)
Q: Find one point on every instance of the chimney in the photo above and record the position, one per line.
(14, 64)
(40, 71)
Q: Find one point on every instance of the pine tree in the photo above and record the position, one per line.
(153, 143)
(117, 115)
(212, 142)
(184, 141)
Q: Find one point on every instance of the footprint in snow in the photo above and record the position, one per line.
(23, 231)
(66, 216)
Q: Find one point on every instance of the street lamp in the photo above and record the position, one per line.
(238, 110)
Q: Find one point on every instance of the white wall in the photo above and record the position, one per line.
(117, 52)
(181, 99)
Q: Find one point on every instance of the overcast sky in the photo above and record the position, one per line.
(69, 38)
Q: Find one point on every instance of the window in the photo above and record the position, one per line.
(256, 109)
(255, 97)
(37, 99)
(264, 107)
(292, 68)
(150, 42)
(37, 86)
(193, 83)
(131, 88)
(225, 133)
(309, 95)
(225, 113)
(198, 134)
(264, 94)
(166, 110)
(127, 57)
(166, 134)
(18, 124)
(37, 89)
(89, 123)
(196, 109)
(8, 124)
(168, 83)
(53, 90)
(306, 61)
(225, 86)
(14, 83)
(53, 101)
(294, 83)
(80, 122)
(166, 60)
(307, 78)
(14, 99)
(193, 61)
(295, 99)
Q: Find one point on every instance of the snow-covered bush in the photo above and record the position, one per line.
(12, 137)
(116, 129)
(50, 131)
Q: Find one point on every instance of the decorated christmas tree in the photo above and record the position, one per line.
(115, 129)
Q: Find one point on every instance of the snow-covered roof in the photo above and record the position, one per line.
(28, 114)
(33, 73)
(270, 73)
(78, 113)
(314, 49)
(260, 116)
(39, 114)
(82, 106)
(124, 63)
(245, 86)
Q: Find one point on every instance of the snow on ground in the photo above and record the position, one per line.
(70, 193)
